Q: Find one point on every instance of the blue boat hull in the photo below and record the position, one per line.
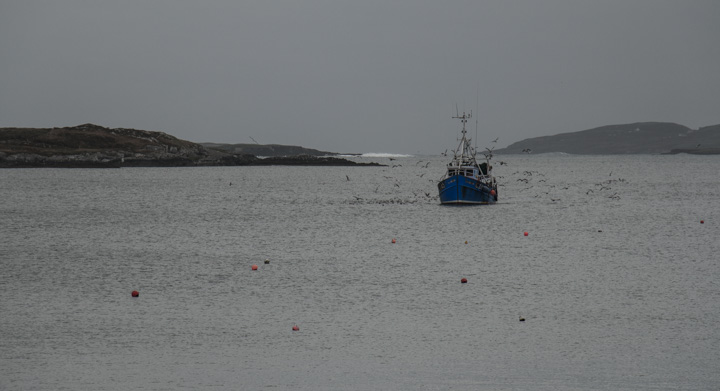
(459, 189)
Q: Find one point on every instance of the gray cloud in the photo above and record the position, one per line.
(358, 76)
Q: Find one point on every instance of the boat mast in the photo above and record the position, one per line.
(464, 147)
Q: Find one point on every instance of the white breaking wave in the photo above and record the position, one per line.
(373, 154)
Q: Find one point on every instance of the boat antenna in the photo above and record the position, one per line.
(457, 111)
(254, 140)
(477, 110)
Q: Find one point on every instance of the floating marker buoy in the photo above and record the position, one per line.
(522, 319)
(463, 280)
(493, 192)
(393, 240)
(253, 267)
(702, 221)
(267, 261)
(296, 328)
(135, 294)
(526, 234)
(466, 242)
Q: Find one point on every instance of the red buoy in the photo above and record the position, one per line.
(702, 221)
(254, 267)
(135, 294)
(393, 240)
(526, 234)
(463, 280)
(296, 328)
(492, 192)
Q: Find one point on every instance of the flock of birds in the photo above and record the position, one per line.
(602, 187)
(409, 185)
(406, 189)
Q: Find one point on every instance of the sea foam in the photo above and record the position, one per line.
(380, 154)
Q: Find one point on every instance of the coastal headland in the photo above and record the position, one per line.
(94, 146)
(623, 139)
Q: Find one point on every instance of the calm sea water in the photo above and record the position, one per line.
(618, 280)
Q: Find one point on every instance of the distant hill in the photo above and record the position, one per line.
(635, 138)
(267, 149)
(90, 145)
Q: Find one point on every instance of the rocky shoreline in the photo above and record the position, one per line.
(103, 161)
(694, 151)
(93, 146)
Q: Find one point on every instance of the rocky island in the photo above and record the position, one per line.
(266, 150)
(91, 146)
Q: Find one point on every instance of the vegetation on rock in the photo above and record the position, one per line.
(90, 145)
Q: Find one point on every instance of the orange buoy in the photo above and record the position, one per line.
(135, 294)
(296, 328)
(463, 280)
(526, 234)
(393, 240)
(254, 267)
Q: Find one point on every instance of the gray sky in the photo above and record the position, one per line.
(358, 76)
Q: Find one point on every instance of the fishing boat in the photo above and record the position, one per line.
(467, 182)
